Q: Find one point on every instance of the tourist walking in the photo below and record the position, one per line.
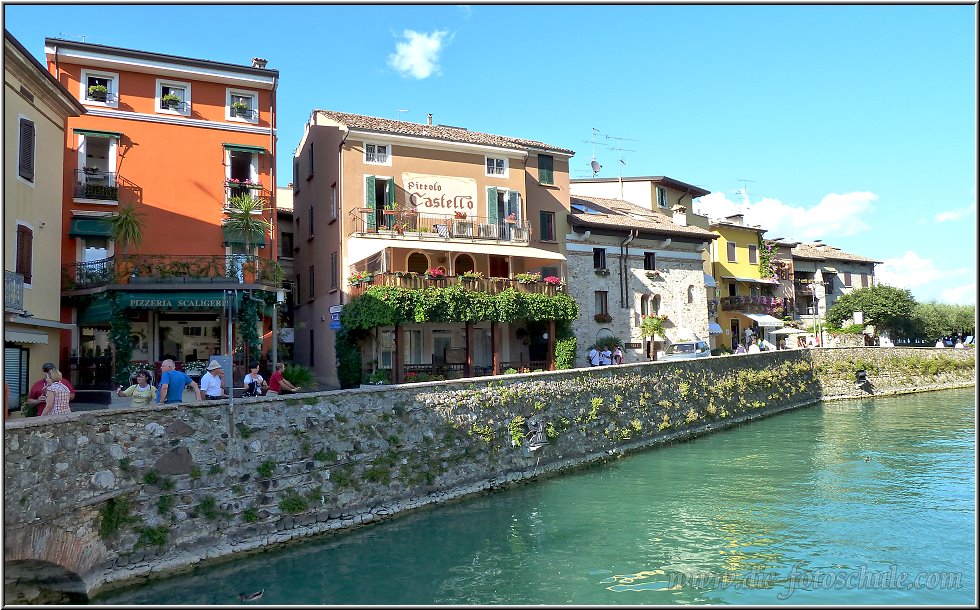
(36, 396)
(595, 358)
(255, 384)
(939, 343)
(212, 382)
(141, 392)
(277, 383)
(172, 384)
(740, 349)
(959, 344)
(617, 355)
(606, 357)
(56, 394)
(753, 346)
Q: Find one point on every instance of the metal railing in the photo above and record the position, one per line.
(245, 113)
(172, 269)
(492, 285)
(181, 107)
(418, 225)
(108, 97)
(750, 304)
(455, 371)
(96, 184)
(256, 190)
(13, 291)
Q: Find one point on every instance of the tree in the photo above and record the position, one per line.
(246, 218)
(126, 227)
(933, 320)
(886, 307)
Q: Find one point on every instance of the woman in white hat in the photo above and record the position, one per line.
(211, 382)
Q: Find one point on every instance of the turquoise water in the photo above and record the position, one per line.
(826, 505)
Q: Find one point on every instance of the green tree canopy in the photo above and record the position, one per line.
(886, 307)
(934, 320)
(126, 227)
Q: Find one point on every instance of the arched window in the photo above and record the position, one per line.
(464, 263)
(644, 305)
(418, 263)
(690, 293)
(656, 304)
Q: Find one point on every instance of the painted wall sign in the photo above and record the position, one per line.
(440, 194)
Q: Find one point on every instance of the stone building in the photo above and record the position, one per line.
(823, 273)
(626, 262)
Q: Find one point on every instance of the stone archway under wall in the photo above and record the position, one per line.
(31, 581)
(48, 564)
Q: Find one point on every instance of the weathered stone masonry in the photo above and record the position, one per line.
(94, 499)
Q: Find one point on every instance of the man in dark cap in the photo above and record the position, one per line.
(36, 395)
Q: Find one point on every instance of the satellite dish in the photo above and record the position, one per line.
(595, 166)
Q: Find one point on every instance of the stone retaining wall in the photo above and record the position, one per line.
(102, 497)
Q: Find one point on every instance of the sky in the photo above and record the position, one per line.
(855, 125)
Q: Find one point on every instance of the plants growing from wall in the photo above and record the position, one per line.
(116, 513)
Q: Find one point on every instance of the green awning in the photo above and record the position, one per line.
(236, 237)
(103, 134)
(98, 311)
(89, 227)
(169, 300)
(245, 148)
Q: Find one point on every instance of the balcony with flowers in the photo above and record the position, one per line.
(751, 304)
(360, 281)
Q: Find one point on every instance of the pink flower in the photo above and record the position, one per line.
(554, 281)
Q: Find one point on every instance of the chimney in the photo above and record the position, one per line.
(735, 219)
(429, 123)
(680, 215)
(258, 62)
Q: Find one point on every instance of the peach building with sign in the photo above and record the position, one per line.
(394, 199)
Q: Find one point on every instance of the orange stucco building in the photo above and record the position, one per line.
(177, 139)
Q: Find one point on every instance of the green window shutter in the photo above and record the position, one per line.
(492, 206)
(514, 204)
(390, 199)
(546, 169)
(369, 202)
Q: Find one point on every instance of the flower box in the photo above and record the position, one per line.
(602, 318)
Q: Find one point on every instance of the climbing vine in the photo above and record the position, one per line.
(767, 252)
(121, 336)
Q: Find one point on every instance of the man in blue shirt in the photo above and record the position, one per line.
(172, 384)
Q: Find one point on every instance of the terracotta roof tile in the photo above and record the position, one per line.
(436, 132)
(824, 252)
(616, 213)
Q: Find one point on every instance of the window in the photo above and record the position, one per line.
(242, 106)
(644, 305)
(333, 202)
(285, 244)
(496, 167)
(379, 195)
(25, 252)
(241, 173)
(295, 175)
(387, 349)
(731, 252)
(173, 97)
(463, 263)
(94, 249)
(599, 258)
(690, 293)
(549, 272)
(547, 226)
(864, 280)
(99, 88)
(546, 169)
(312, 282)
(312, 350)
(601, 302)
(662, 197)
(377, 154)
(649, 261)
(311, 220)
(25, 153)
(847, 280)
(753, 255)
(310, 176)
(655, 304)
(296, 290)
(418, 263)
(334, 271)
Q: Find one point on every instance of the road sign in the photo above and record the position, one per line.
(335, 324)
(336, 308)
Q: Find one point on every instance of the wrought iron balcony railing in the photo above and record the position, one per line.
(416, 225)
(181, 107)
(96, 184)
(492, 285)
(13, 291)
(245, 113)
(256, 190)
(750, 304)
(172, 269)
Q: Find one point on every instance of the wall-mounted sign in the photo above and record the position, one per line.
(440, 194)
(633, 346)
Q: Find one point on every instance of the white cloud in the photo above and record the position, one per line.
(956, 214)
(418, 54)
(960, 295)
(837, 215)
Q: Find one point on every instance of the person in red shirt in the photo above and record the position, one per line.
(277, 382)
(36, 395)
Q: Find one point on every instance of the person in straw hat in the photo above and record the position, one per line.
(212, 382)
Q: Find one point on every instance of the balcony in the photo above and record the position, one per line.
(13, 291)
(492, 285)
(750, 304)
(96, 184)
(237, 188)
(171, 269)
(245, 113)
(416, 225)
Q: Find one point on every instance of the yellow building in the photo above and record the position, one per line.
(35, 111)
(747, 299)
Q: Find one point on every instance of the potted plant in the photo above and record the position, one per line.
(602, 318)
(471, 276)
(511, 218)
(169, 100)
(91, 170)
(527, 278)
(360, 277)
(98, 92)
(551, 280)
(239, 108)
(435, 274)
(459, 215)
(398, 228)
(655, 274)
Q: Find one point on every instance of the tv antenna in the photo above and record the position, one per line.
(64, 35)
(745, 189)
(400, 113)
(619, 148)
(595, 165)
